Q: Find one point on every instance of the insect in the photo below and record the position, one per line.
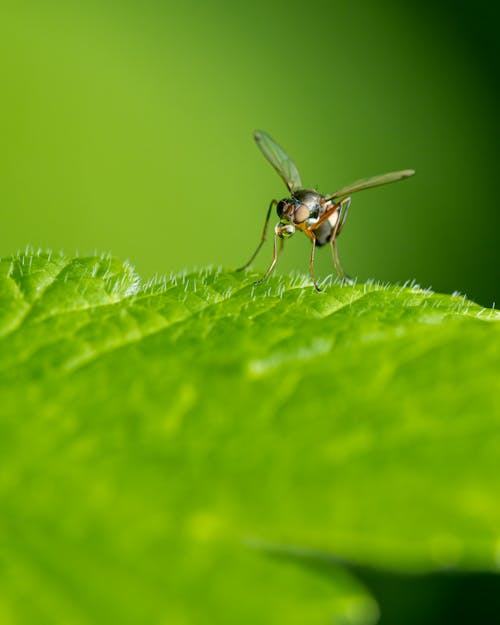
(320, 217)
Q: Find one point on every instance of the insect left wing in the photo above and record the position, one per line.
(368, 183)
(281, 162)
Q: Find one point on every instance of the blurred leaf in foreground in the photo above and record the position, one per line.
(161, 441)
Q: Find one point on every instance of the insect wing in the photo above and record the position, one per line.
(368, 183)
(279, 160)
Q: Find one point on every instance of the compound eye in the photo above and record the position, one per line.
(300, 214)
(280, 209)
(286, 230)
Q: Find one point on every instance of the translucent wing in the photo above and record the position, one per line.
(279, 160)
(368, 183)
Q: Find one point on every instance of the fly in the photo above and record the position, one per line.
(320, 217)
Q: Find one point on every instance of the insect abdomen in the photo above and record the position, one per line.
(324, 232)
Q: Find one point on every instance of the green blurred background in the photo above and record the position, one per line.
(126, 127)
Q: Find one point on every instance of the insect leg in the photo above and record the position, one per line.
(312, 236)
(344, 209)
(340, 271)
(275, 256)
(328, 213)
(263, 238)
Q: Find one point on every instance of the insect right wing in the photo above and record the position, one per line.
(368, 183)
(279, 160)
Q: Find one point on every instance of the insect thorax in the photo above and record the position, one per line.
(312, 199)
(303, 205)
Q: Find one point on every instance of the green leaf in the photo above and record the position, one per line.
(184, 450)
